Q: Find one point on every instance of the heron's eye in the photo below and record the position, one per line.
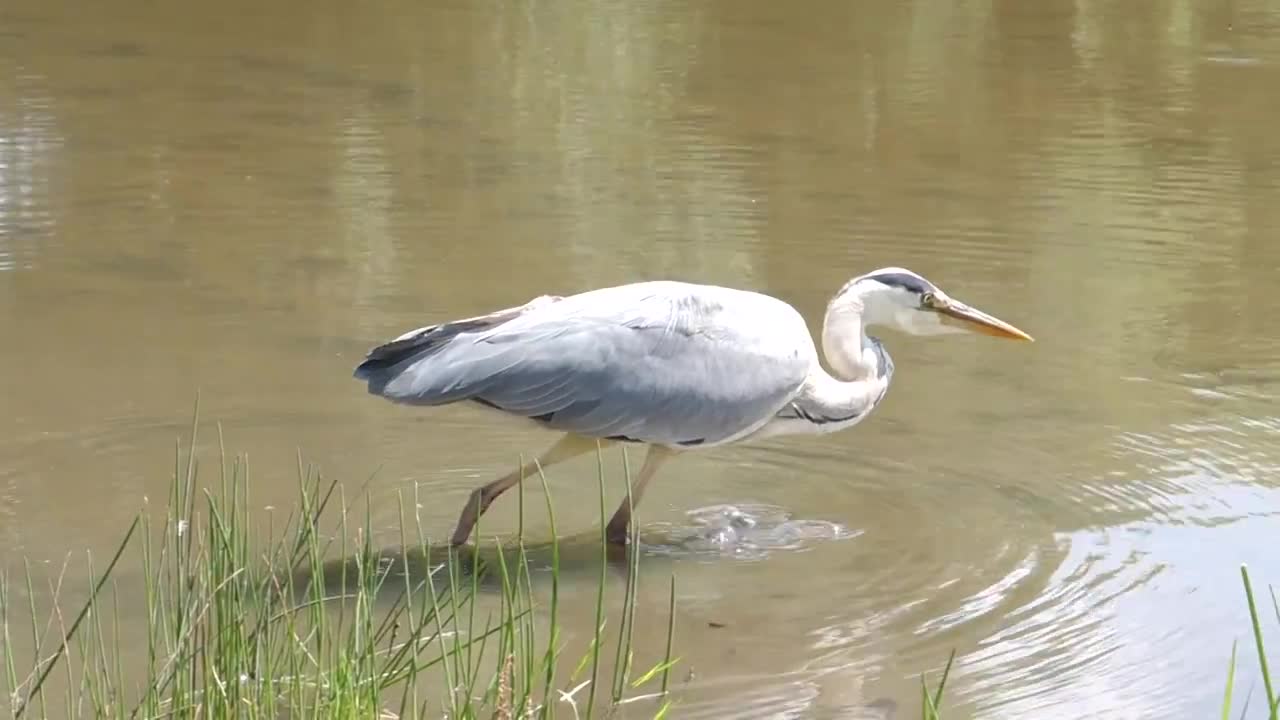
(926, 300)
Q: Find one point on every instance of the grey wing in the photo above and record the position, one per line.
(651, 367)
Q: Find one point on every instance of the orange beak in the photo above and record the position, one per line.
(958, 314)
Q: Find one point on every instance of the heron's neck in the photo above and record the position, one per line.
(860, 375)
(853, 357)
(861, 370)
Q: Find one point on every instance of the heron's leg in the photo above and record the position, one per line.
(616, 530)
(567, 447)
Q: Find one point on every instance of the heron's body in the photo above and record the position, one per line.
(675, 365)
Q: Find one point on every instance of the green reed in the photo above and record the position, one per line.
(929, 704)
(1268, 684)
(305, 620)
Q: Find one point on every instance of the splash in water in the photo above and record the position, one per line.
(746, 531)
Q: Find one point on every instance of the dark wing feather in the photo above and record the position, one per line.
(423, 341)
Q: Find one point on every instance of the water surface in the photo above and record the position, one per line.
(240, 199)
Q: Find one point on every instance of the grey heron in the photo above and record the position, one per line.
(674, 365)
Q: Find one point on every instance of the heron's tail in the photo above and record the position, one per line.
(383, 362)
(412, 346)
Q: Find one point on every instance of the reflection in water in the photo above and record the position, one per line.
(242, 208)
(29, 142)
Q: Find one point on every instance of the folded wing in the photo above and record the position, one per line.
(666, 363)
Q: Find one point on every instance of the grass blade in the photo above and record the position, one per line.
(1231, 679)
(1257, 637)
(75, 624)
(671, 633)
(598, 628)
(946, 672)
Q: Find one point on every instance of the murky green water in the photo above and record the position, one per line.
(242, 198)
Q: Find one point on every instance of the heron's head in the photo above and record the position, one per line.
(899, 298)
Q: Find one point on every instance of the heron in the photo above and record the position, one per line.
(672, 365)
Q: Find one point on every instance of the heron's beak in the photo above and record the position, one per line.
(957, 314)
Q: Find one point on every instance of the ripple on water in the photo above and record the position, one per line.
(985, 600)
(751, 698)
(1093, 634)
(1065, 620)
(1070, 647)
(1209, 472)
(936, 559)
(797, 694)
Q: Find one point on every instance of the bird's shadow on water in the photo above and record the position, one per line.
(718, 533)
(576, 557)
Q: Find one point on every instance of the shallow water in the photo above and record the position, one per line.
(242, 198)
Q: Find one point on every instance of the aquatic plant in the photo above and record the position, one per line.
(301, 623)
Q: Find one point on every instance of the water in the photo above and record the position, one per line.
(241, 198)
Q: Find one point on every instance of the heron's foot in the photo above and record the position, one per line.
(462, 534)
(479, 501)
(617, 534)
